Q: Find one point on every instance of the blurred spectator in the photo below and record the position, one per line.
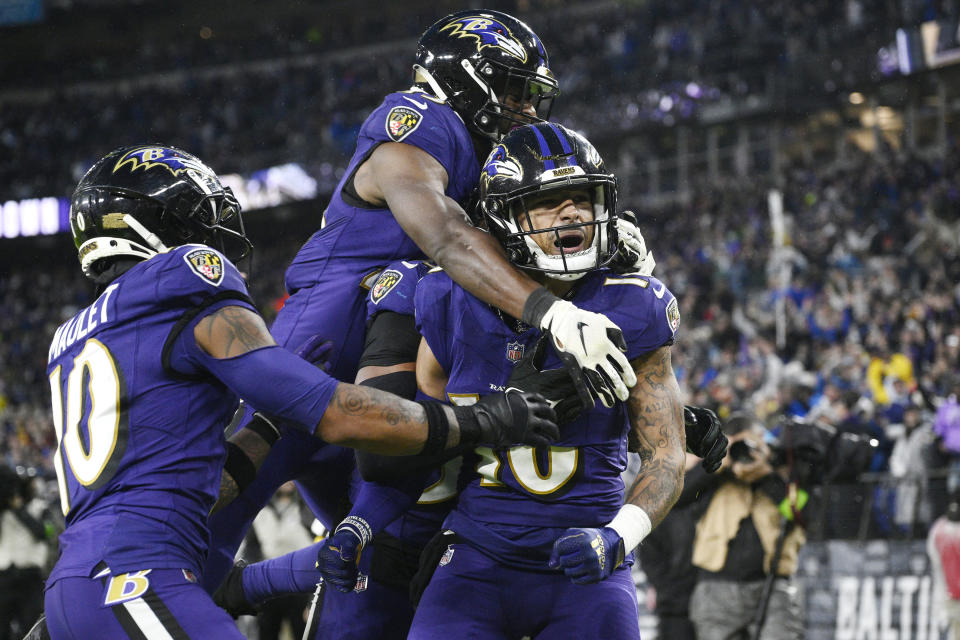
(666, 558)
(23, 557)
(909, 463)
(736, 540)
(282, 527)
(946, 426)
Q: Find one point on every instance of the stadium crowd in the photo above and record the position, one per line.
(304, 103)
(871, 308)
(869, 337)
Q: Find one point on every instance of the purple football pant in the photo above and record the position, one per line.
(474, 596)
(161, 604)
(378, 612)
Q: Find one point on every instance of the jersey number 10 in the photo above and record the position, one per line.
(95, 405)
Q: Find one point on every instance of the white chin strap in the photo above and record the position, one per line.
(425, 76)
(106, 247)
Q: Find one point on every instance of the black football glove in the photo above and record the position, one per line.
(230, 597)
(507, 419)
(556, 385)
(704, 438)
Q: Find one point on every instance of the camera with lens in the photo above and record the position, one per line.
(743, 451)
(817, 453)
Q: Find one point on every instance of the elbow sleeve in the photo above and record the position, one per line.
(278, 383)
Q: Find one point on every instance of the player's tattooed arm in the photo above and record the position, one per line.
(378, 422)
(255, 448)
(657, 434)
(232, 331)
(412, 183)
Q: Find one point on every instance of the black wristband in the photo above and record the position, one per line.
(264, 428)
(239, 466)
(536, 306)
(469, 426)
(438, 428)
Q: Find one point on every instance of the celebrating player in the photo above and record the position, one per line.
(367, 592)
(477, 75)
(144, 379)
(536, 524)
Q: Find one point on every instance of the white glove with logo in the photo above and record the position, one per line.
(632, 254)
(589, 344)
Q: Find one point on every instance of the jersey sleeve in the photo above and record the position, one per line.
(421, 122)
(432, 303)
(201, 281)
(645, 310)
(394, 289)
(196, 271)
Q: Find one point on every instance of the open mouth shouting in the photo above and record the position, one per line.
(570, 241)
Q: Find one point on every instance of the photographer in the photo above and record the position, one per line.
(737, 538)
(23, 553)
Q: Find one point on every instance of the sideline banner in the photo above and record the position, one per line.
(873, 590)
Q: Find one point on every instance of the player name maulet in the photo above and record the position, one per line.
(82, 324)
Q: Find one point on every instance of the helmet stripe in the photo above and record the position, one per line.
(564, 143)
(544, 149)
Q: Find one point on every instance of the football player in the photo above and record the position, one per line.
(145, 378)
(539, 542)
(477, 75)
(378, 606)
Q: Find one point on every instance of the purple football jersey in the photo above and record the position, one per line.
(328, 281)
(521, 498)
(394, 290)
(357, 238)
(140, 428)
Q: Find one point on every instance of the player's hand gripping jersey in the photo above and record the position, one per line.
(120, 377)
(521, 499)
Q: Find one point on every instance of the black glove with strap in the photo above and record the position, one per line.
(704, 437)
(556, 385)
(507, 419)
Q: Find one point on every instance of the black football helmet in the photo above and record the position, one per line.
(542, 157)
(474, 59)
(138, 201)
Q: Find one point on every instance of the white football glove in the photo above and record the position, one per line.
(592, 349)
(632, 254)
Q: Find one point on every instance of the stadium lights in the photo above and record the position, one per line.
(260, 190)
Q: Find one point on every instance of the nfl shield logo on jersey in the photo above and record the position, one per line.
(207, 264)
(514, 351)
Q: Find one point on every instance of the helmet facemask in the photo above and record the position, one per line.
(599, 232)
(475, 60)
(500, 83)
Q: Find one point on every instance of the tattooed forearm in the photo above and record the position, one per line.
(359, 401)
(232, 331)
(374, 421)
(256, 448)
(228, 492)
(656, 415)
